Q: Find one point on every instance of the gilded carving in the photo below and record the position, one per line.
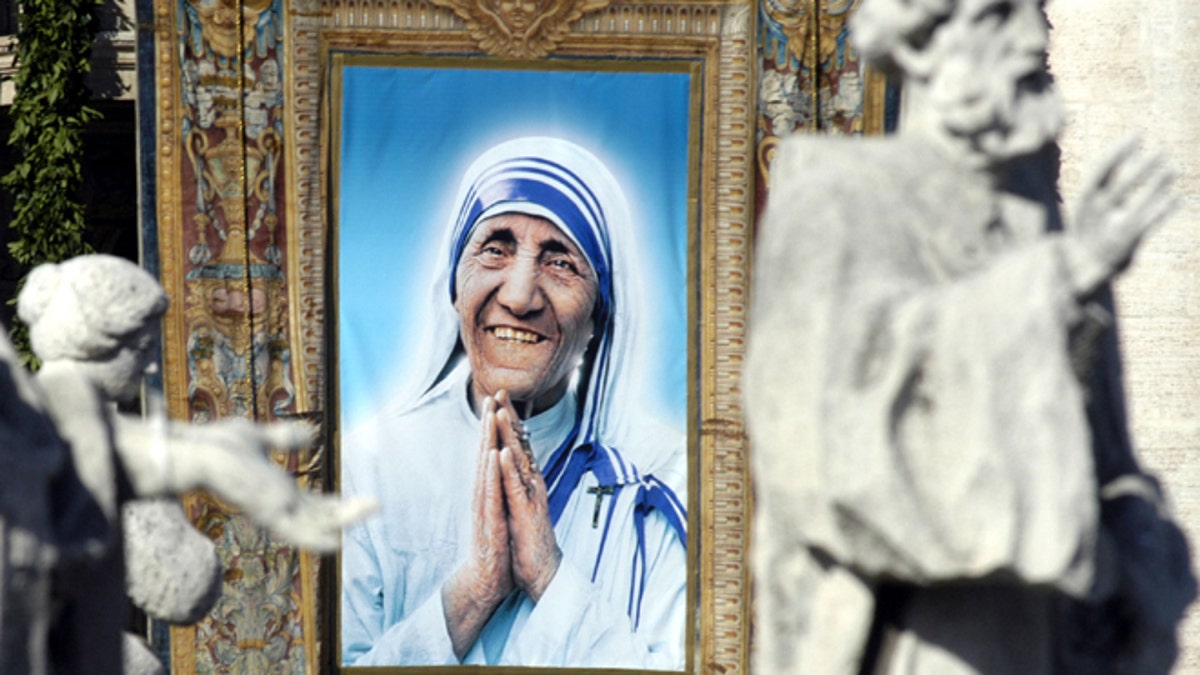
(519, 28)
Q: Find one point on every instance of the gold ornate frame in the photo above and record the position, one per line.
(687, 58)
(714, 40)
(718, 36)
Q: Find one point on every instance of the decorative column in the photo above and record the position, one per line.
(223, 244)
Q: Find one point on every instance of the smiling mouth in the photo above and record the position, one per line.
(509, 334)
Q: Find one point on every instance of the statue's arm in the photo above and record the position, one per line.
(920, 428)
(947, 430)
(229, 459)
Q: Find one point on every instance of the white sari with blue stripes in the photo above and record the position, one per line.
(619, 598)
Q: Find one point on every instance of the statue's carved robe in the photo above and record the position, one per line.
(929, 488)
(48, 520)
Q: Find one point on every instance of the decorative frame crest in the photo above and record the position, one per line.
(520, 29)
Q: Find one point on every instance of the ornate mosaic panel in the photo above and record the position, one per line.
(224, 251)
(810, 78)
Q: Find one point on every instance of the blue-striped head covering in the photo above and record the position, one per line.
(561, 182)
(539, 186)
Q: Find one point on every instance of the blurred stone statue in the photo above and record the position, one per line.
(70, 462)
(933, 390)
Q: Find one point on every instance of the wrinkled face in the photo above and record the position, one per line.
(990, 77)
(525, 295)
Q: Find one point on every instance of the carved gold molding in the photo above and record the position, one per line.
(519, 29)
(723, 34)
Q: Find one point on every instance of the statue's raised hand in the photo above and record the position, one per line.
(1126, 197)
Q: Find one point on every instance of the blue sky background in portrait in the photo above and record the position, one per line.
(407, 136)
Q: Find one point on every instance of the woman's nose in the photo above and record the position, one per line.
(520, 292)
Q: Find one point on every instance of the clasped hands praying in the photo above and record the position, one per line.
(513, 544)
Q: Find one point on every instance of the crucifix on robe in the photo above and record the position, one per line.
(599, 491)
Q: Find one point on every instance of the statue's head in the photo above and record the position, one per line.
(97, 310)
(980, 65)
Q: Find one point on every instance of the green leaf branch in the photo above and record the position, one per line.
(49, 114)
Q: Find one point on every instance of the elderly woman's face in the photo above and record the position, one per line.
(525, 295)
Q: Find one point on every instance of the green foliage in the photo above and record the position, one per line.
(49, 113)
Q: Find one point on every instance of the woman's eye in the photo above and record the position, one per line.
(491, 255)
(563, 265)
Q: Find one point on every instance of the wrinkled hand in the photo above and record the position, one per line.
(1126, 197)
(512, 543)
(489, 562)
(485, 578)
(535, 552)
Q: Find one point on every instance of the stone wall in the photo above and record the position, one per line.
(114, 58)
(1123, 67)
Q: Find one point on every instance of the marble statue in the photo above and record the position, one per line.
(31, 473)
(944, 475)
(71, 463)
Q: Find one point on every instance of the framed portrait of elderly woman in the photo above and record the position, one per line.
(513, 312)
(526, 227)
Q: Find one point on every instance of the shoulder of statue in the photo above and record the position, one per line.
(872, 168)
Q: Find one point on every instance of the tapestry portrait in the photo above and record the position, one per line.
(512, 257)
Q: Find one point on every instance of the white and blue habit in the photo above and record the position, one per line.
(616, 477)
